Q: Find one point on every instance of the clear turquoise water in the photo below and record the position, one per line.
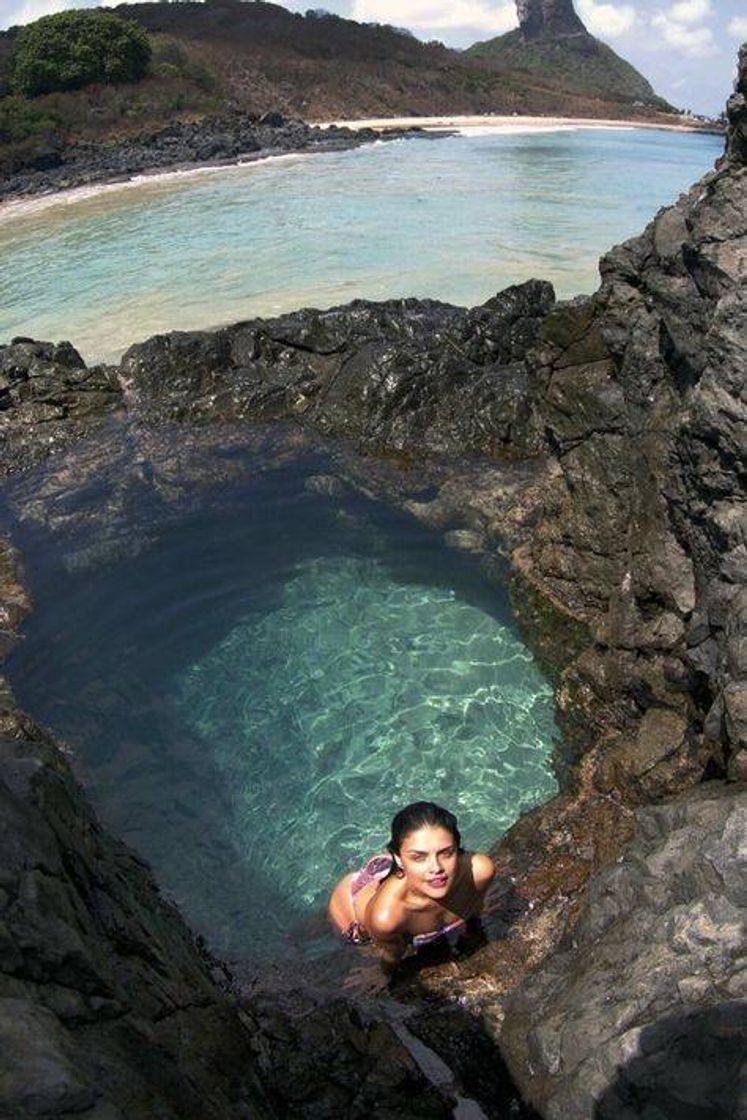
(254, 678)
(456, 219)
(356, 695)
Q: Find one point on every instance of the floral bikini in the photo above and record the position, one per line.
(375, 871)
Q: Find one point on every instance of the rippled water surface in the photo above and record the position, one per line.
(255, 677)
(456, 219)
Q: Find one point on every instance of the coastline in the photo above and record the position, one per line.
(511, 123)
(403, 127)
(103, 169)
(31, 203)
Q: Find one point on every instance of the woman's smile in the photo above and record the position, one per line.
(438, 881)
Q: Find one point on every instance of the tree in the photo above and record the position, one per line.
(76, 48)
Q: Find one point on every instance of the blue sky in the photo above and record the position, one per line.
(686, 48)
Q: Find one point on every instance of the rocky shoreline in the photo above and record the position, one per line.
(595, 450)
(222, 140)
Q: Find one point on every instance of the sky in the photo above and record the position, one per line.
(686, 48)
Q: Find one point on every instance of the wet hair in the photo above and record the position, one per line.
(419, 815)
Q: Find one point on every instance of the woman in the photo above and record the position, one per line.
(423, 889)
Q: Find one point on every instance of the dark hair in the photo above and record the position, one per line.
(417, 815)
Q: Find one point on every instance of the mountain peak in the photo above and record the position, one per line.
(540, 18)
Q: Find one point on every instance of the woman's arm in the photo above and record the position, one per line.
(384, 923)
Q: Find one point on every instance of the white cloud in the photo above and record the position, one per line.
(690, 11)
(738, 27)
(607, 20)
(697, 42)
(422, 15)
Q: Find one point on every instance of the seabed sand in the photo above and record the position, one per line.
(512, 123)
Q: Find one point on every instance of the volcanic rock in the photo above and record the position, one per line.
(227, 138)
(552, 44)
(639, 1011)
(107, 1007)
(548, 17)
(400, 376)
(48, 400)
(629, 576)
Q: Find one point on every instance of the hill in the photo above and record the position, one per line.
(552, 42)
(222, 55)
(259, 56)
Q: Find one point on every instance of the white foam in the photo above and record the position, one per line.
(74, 195)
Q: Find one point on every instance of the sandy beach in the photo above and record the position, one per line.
(468, 124)
(510, 123)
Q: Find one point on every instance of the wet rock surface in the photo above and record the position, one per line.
(107, 1006)
(409, 375)
(229, 138)
(49, 399)
(641, 1011)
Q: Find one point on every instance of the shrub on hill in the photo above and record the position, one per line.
(72, 49)
(20, 119)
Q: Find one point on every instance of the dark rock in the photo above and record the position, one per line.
(217, 139)
(628, 561)
(548, 17)
(397, 376)
(616, 1023)
(640, 390)
(736, 146)
(321, 1060)
(272, 120)
(107, 1002)
(49, 399)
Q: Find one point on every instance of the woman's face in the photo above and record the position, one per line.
(429, 859)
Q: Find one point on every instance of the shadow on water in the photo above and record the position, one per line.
(689, 1067)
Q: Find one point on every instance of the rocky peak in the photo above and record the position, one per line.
(736, 108)
(539, 18)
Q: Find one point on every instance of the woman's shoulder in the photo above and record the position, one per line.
(482, 868)
(385, 913)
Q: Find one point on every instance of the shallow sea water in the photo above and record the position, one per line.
(455, 219)
(356, 695)
(254, 678)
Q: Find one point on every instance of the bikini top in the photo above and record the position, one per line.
(452, 932)
(376, 870)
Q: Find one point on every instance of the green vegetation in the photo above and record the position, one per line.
(579, 63)
(34, 128)
(171, 59)
(78, 48)
(20, 119)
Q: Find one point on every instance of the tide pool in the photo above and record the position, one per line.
(253, 681)
(455, 219)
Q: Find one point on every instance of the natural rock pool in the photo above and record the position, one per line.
(255, 674)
